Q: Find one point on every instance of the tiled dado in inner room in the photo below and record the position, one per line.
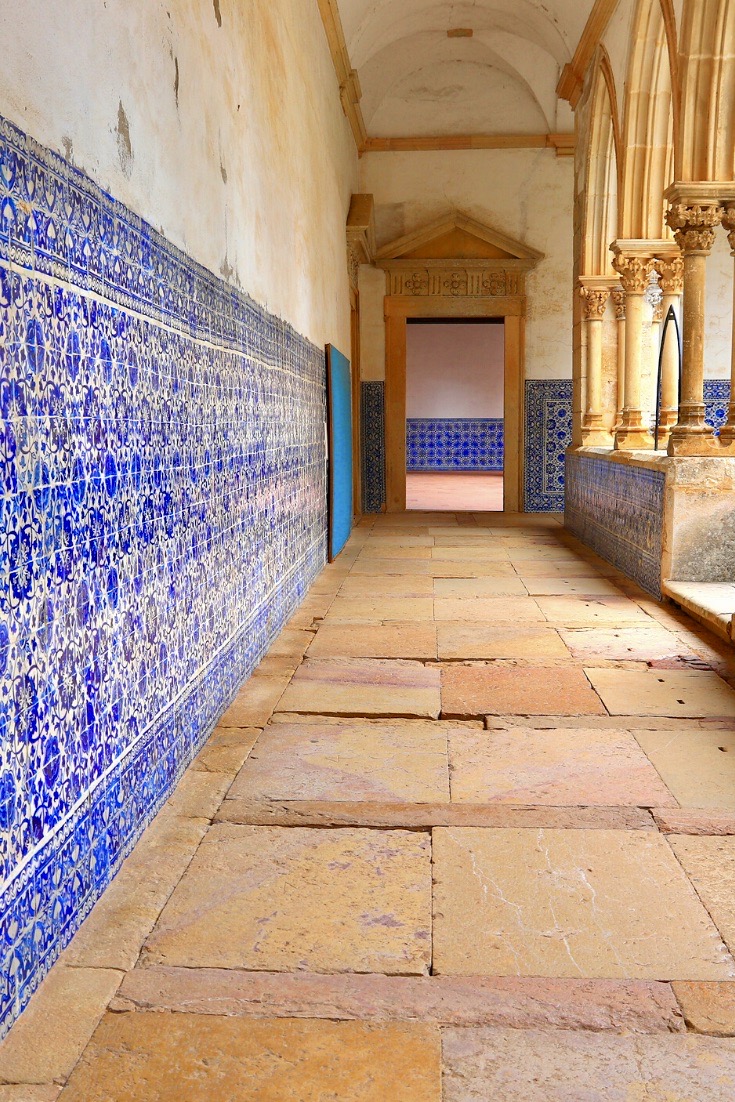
(159, 431)
(454, 444)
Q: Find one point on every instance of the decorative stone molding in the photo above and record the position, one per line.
(482, 282)
(728, 221)
(671, 274)
(634, 271)
(618, 298)
(694, 225)
(595, 301)
(360, 235)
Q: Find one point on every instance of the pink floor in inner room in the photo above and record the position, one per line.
(453, 490)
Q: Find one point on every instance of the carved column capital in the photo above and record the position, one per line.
(618, 297)
(694, 226)
(658, 312)
(728, 221)
(671, 274)
(595, 301)
(634, 272)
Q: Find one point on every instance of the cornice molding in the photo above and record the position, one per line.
(571, 80)
(350, 92)
(562, 143)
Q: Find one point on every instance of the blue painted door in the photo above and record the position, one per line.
(339, 403)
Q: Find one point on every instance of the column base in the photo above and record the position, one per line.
(596, 437)
(727, 433)
(633, 440)
(667, 420)
(700, 444)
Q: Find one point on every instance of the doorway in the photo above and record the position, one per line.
(455, 398)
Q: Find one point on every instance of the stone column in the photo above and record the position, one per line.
(727, 432)
(594, 432)
(635, 273)
(670, 270)
(694, 231)
(618, 298)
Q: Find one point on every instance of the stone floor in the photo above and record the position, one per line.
(451, 490)
(467, 834)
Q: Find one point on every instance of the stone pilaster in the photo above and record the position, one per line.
(671, 275)
(634, 270)
(594, 431)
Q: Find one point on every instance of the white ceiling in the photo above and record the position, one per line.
(417, 81)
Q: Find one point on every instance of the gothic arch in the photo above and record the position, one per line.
(601, 173)
(707, 148)
(650, 123)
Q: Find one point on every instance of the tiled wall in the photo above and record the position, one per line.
(460, 444)
(716, 401)
(372, 411)
(618, 511)
(548, 433)
(162, 513)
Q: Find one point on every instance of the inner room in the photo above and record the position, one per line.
(455, 396)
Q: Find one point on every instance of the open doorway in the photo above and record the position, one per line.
(454, 414)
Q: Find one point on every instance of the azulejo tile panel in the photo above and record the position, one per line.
(617, 510)
(548, 433)
(372, 414)
(163, 511)
(457, 444)
(716, 402)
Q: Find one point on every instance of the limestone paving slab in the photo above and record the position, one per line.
(255, 702)
(394, 640)
(572, 767)
(472, 588)
(636, 644)
(486, 690)
(290, 899)
(589, 611)
(387, 566)
(488, 610)
(27, 1092)
(687, 693)
(226, 749)
(697, 766)
(536, 1066)
(202, 1058)
(463, 640)
(492, 553)
(394, 550)
(355, 609)
(710, 865)
(708, 1007)
(549, 568)
(674, 820)
(516, 1002)
(559, 586)
(350, 762)
(454, 568)
(399, 585)
(355, 687)
(599, 904)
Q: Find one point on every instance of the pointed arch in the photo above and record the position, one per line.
(707, 149)
(601, 172)
(650, 122)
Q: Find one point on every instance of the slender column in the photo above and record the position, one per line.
(594, 432)
(618, 298)
(727, 432)
(694, 231)
(635, 273)
(671, 271)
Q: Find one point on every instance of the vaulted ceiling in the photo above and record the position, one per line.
(473, 66)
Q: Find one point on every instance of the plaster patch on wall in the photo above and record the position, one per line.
(124, 145)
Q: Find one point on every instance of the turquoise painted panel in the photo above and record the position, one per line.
(339, 390)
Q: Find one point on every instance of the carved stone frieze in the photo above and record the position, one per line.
(455, 282)
(728, 221)
(634, 272)
(694, 225)
(671, 274)
(618, 297)
(595, 301)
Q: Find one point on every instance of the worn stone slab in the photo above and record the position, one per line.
(594, 903)
(492, 553)
(708, 1007)
(675, 820)
(198, 794)
(388, 539)
(371, 687)
(51, 1034)
(255, 702)
(515, 1002)
(710, 865)
(698, 766)
(118, 924)
(274, 899)
(202, 1058)
(372, 610)
(392, 585)
(474, 588)
(636, 644)
(663, 692)
(550, 587)
(471, 569)
(394, 640)
(485, 690)
(226, 749)
(562, 767)
(394, 550)
(347, 762)
(488, 610)
(25, 1092)
(370, 567)
(413, 816)
(589, 611)
(462, 640)
(550, 568)
(482, 1064)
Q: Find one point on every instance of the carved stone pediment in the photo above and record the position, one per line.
(457, 257)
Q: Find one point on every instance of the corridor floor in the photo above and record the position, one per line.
(467, 834)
